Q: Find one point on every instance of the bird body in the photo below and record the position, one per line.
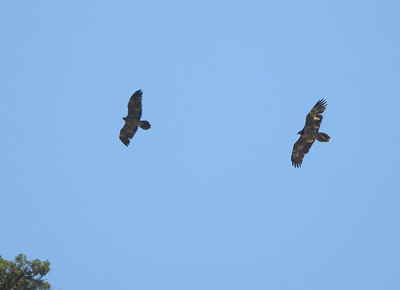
(132, 120)
(309, 133)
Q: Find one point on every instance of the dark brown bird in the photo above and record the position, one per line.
(132, 121)
(309, 133)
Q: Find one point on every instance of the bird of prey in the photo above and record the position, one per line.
(309, 133)
(132, 121)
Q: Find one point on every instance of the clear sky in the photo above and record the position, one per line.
(207, 199)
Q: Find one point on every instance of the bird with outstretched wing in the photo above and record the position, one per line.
(309, 133)
(132, 121)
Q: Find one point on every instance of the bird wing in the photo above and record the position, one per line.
(300, 148)
(127, 132)
(135, 106)
(314, 117)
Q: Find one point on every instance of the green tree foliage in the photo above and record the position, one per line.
(22, 274)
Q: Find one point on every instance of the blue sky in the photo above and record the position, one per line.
(206, 199)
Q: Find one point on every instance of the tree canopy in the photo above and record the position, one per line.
(22, 274)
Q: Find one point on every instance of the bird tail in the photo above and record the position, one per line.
(322, 137)
(145, 125)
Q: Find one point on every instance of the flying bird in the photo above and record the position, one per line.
(309, 133)
(132, 121)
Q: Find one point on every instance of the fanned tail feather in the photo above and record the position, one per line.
(145, 125)
(322, 137)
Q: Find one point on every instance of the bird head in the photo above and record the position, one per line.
(124, 118)
(301, 132)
